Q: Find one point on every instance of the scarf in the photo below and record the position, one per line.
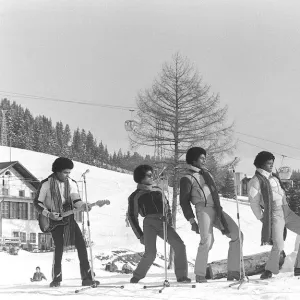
(209, 181)
(57, 206)
(267, 196)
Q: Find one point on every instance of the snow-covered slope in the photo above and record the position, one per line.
(109, 232)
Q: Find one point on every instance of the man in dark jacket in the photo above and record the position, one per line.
(148, 201)
(56, 194)
(197, 187)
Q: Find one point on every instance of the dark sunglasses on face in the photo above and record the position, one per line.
(149, 175)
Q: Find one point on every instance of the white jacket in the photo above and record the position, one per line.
(255, 196)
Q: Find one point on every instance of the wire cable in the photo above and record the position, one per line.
(43, 98)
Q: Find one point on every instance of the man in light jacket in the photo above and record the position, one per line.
(268, 203)
(197, 187)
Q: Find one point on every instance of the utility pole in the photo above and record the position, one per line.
(3, 128)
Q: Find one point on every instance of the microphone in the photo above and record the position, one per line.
(235, 161)
(161, 173)
(87, 171)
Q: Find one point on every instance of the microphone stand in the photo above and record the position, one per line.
(164, 179)
(94, 285)
(243, 277)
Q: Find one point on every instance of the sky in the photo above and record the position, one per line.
(105, 52)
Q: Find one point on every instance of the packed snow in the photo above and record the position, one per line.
(109, 233)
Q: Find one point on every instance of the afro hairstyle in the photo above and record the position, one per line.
(140, 172)
(62, 163)
(193, 154)
(262, 157)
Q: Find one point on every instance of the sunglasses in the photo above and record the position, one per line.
(149, 175)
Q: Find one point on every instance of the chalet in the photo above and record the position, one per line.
(18, 217)
(245, 185)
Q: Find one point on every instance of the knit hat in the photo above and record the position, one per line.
(262, 157)
(193, 154)
(62, 163)
(140, 172)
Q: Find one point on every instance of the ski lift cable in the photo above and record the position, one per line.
(267, 140)
(130, 108)
(44, 98)
(239, 140)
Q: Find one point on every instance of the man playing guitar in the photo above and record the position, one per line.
(58, 194)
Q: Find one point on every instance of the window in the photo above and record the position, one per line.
(16, 234)
(23, 211)
(33, 238)
(21, 193)
(4, 191)
(5, 209)
(32, 195)
(13, 210)
(43, 238)
(33, 212)
(23, 237)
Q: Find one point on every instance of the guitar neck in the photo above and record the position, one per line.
(70, 212)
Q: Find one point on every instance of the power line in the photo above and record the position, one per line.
(265, 148)
(34, 97)
(263, 139)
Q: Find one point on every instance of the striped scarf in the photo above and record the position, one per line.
(59, 207)
(267, 196)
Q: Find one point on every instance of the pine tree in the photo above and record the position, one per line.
(228, 190)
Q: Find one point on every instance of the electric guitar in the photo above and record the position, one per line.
(47, 225)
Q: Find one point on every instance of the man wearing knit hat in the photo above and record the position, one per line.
(198, 187)
(148, 201)
(56, 194)
(268, 203)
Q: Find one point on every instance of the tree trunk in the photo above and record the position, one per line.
(254, 264)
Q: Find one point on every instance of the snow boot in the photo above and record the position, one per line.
(55, 283)
(184, 279)
(134, 280)
(231, 275)
(266, 274)
(200, 279)
(90, 282)
(296, 271)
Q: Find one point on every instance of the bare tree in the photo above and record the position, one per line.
(187, 114)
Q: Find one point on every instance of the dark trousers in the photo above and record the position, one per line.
(153, 227)
(58, 238)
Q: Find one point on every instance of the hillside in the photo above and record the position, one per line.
(109, 232)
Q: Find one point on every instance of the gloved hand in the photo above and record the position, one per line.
(142, 240)
(55, 216)
(86, 207)
(195, 227)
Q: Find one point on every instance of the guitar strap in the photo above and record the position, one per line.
(58, 206)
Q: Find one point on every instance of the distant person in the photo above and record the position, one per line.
(268, 203)
(38, 275)
(56, 193)
(198, 187)
(148, 201)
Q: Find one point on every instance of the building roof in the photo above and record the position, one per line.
(4, 166)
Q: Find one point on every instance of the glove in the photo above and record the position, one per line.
(86, 207)
(142, 240)
(55, 216)
(195, 227)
